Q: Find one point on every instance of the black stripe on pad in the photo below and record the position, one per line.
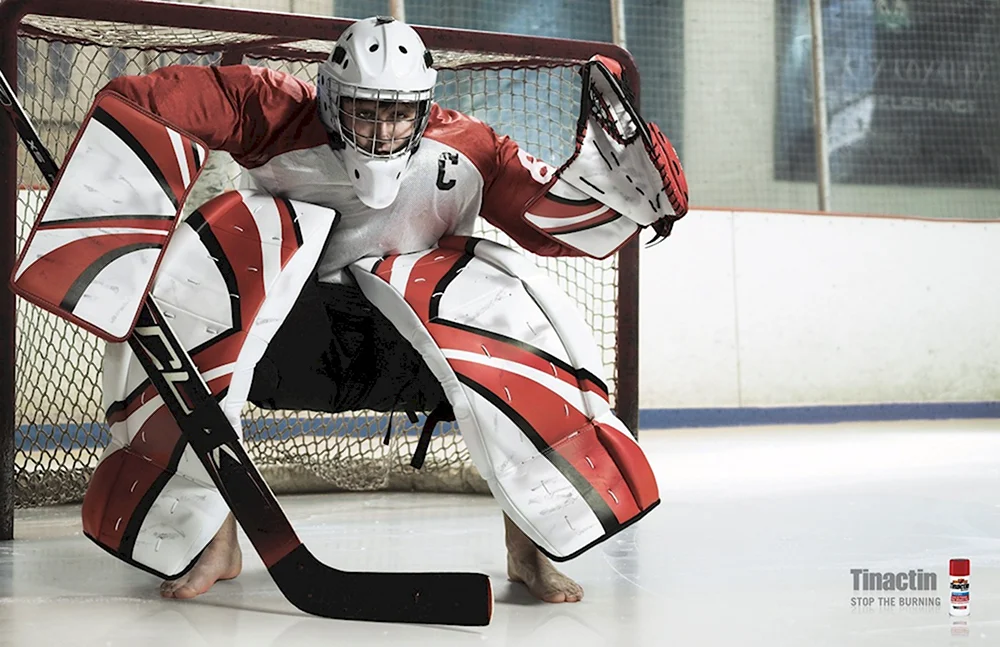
(112, 124)
(82, 282)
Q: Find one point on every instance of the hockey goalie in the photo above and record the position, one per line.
(348, 279)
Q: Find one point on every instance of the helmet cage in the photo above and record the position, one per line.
(367, 146)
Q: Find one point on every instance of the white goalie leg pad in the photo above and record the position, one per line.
(228, 279)
(521, 371)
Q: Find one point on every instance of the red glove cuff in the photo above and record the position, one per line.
(666, 161)
(613, 66)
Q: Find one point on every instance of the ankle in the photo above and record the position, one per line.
(523, 553)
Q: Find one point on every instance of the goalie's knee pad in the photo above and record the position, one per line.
(228, 278)
(521, 372)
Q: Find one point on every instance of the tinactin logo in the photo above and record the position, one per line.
(918, 580)
(879, 585)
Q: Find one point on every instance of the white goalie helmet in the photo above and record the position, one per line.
(374, 94)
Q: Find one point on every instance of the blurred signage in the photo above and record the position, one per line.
(913, 92)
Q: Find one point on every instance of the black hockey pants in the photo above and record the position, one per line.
(336, 352)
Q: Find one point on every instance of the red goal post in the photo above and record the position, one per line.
(62, 51)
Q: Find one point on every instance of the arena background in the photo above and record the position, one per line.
(758, 302)
(760, 309)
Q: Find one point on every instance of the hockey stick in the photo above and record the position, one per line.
(310, 585)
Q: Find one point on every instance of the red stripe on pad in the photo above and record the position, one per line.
(549, 207)
(425, 275)
(562, 427)
(123, 478)
(637, 471)
(450, 338)
(50, 277)
(236, 231)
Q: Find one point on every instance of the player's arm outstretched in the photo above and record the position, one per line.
(624, 176)
(247, 111)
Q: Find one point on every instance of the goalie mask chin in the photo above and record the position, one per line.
(376, 181)
(374, 94)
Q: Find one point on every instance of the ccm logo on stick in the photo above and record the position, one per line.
(172, 361)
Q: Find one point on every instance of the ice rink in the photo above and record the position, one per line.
(753, 544)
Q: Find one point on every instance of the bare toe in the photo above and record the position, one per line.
(221, 560)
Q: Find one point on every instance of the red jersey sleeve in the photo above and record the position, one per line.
(511, 177)
(518, 179)
(253, 113)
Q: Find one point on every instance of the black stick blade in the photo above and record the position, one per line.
(425, 598)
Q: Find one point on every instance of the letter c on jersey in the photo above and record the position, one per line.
(446, 158)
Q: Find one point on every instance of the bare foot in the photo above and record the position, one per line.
(526, 564)
(221, 560)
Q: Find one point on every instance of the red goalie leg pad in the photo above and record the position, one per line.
(600, 468)
(633, 464)
(124, 479)
(98, 496)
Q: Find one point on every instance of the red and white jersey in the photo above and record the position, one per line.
(268, 121)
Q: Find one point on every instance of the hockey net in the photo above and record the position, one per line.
(62, 61)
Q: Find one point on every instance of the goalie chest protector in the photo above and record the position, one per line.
(521, 372)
